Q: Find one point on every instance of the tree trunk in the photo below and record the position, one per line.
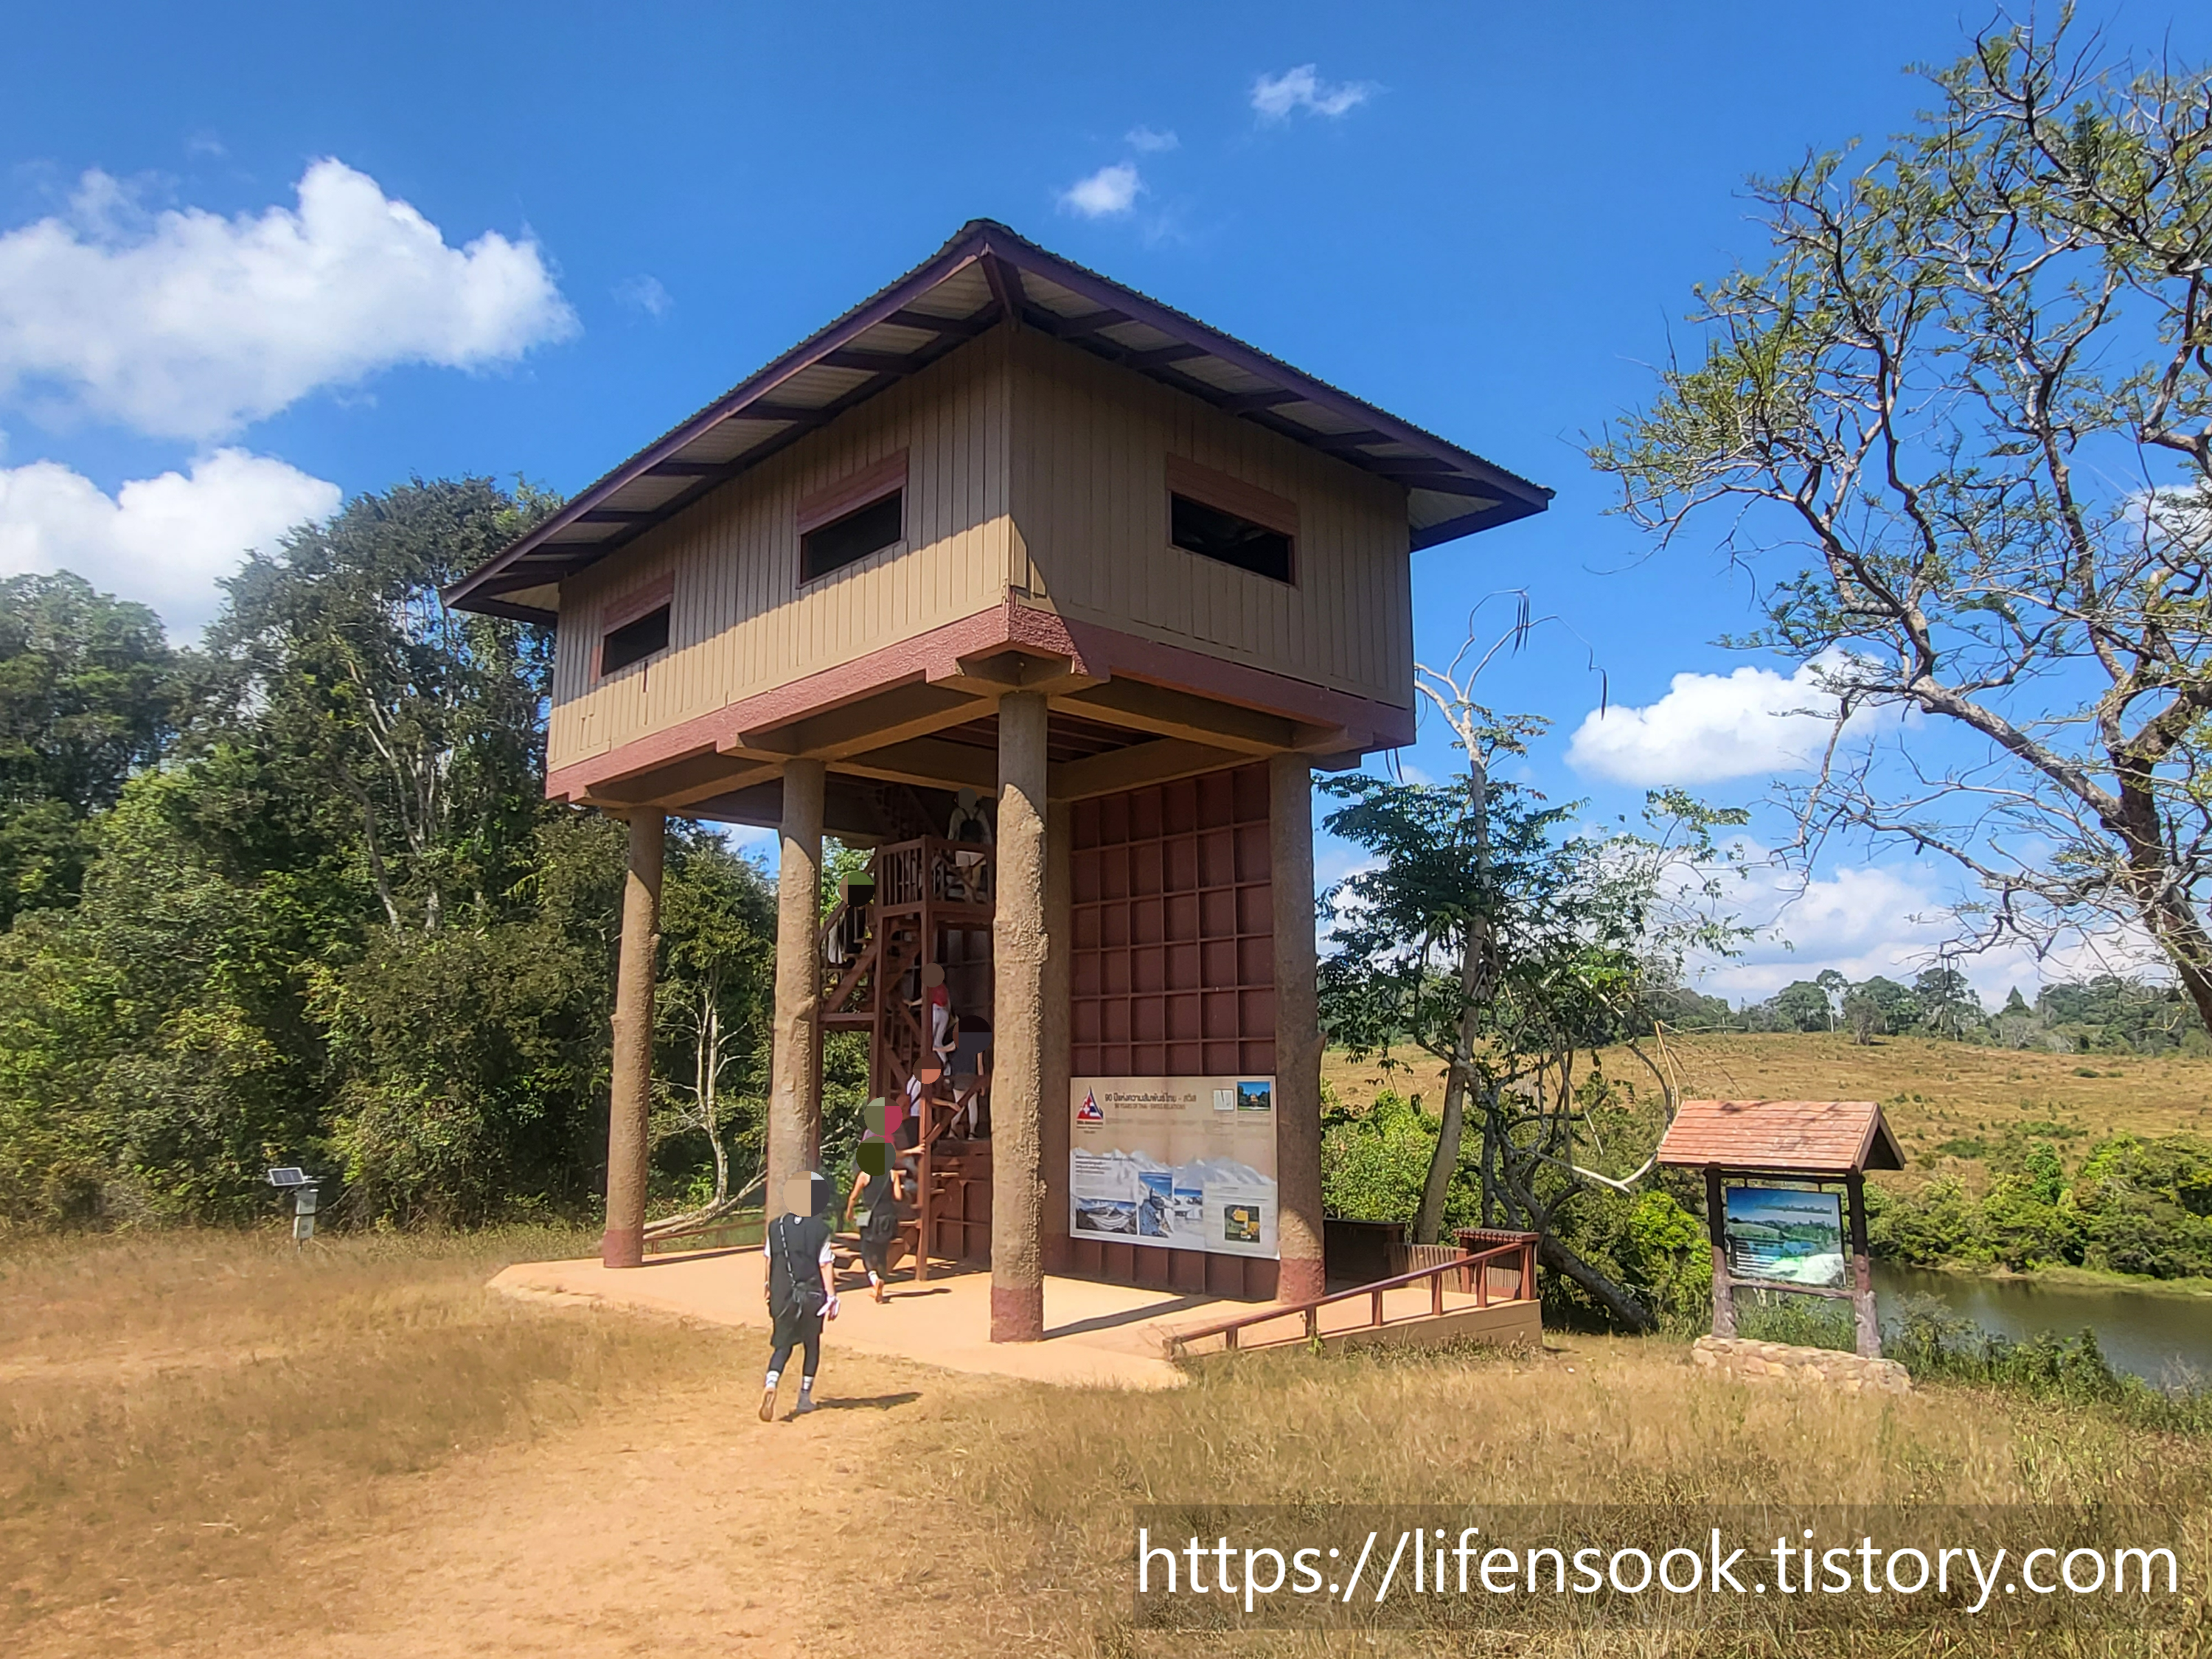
(1474, 993)
(2166, 913)
(1619, 1303)
(1444, 1163)
(1489, 1162)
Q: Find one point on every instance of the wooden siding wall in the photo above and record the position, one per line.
(740, 623)
(1091, 512)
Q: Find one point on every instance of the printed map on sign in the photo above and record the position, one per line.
(1181, 1163)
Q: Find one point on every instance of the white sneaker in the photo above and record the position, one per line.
(768, 1405)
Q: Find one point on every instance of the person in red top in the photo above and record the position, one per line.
(938, 998)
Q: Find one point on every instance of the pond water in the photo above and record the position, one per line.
(2167, 1338)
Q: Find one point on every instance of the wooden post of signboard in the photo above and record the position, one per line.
(1724, 1287)
(1863, 1308)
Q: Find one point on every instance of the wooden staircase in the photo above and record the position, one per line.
(928, 891)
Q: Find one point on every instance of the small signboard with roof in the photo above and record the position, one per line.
(1772, 1170)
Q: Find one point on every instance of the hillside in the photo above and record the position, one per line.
(1943, 1099)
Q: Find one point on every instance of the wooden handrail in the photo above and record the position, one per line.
(1523, 1246)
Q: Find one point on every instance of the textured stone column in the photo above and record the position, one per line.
(794, 1096)
(1297, 1031)
(1059, 1031)
(1019, 949)
(630, 1096)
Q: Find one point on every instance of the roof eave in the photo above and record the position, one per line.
(948, 259)
(1003, 255)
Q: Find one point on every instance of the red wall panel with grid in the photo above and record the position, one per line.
(1173, 970)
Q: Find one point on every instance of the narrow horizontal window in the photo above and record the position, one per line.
(1212, 534)
(634, 642)
(848, 540)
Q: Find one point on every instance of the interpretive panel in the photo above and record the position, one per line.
(1180, 1162)
(1784, 1235)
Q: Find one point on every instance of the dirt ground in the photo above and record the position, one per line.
(424, 1469)
(677, 1524)
(210, 1444)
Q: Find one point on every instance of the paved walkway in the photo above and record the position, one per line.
(1094, 1333)
(1114, 1334)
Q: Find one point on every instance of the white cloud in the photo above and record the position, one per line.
(1145, 141)
(1750, 723)
(184, 324)
(1893, 920)
(645, 293)
(1277, 97)
(1111, 190)
(163, 540)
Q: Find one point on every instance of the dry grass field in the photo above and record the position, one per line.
(1931, 1092)
(214, 1445)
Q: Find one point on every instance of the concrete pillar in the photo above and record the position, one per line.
(1297, 1031)
(1059, 1029)
(794, 1097)
(630, 1097)
(1019, 951)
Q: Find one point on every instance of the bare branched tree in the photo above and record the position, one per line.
(1972, 391)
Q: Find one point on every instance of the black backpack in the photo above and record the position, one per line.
(802, 1280)
(882, 1219)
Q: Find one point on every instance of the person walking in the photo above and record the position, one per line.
(876, 1195)
(801, 1291)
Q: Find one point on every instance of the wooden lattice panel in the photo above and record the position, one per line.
(1173, 913)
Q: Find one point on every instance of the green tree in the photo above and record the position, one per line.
(1507, 949)
(423, 724)
(1804, 1006)
(1946, 1003)
(88, 689)
(1967, 403)
(717, 943)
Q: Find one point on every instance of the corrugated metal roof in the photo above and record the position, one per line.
(983, 275)
(1781, 1137)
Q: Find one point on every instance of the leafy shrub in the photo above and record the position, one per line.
(1807, 1322)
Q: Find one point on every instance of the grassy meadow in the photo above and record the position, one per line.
(1941, 1098)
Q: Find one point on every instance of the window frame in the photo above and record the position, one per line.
(1238, 499)
(626, 609)
(854, 493)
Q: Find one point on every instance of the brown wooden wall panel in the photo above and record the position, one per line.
(1090, 501)
(741, 622)
(1172, 971)
(1173, 914)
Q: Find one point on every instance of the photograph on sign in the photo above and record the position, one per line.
(1174, 1163)
(1784, 1235)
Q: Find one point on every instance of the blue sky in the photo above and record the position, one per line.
(1485, 219)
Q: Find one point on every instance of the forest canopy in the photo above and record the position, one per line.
(296, 896)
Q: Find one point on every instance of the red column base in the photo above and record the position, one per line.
(1017, 1313)
(1299, 1280)
(622, 1246)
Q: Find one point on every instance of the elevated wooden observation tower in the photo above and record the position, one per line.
(1010, 527)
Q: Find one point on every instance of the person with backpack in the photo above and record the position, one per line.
(876, 1196)
(801, 1291)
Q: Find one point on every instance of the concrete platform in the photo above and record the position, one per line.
(1116, 1335)
(1094, 1333)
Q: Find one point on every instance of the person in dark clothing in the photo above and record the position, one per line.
(801, 1293)
(876, 1194)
